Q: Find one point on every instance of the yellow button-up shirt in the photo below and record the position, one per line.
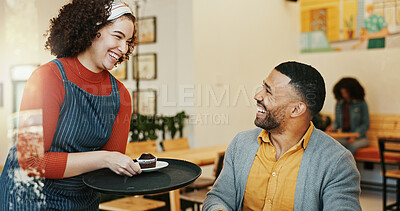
(271, 184)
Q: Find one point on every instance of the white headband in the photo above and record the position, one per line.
(118, 9)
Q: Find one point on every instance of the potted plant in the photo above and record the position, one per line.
(321, 121)
(173, 124)
(144, 128)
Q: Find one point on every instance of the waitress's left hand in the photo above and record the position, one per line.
(122, 164)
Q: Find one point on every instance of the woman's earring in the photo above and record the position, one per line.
(98, 35)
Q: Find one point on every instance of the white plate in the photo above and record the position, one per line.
(159, 165)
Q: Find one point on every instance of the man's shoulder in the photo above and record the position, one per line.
(247, 138)
(249, 134)
(324, 142)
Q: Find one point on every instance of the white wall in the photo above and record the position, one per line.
(377, 70)
(236, 44)
(174, 40)
(174, 49)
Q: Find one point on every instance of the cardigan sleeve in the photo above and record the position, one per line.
(228, 190)
(342, 189)
(223, 194)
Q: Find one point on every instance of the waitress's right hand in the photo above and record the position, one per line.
(122, 164)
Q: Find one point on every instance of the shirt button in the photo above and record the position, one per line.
(273, 174)
(270, 201)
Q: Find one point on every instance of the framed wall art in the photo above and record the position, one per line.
(120, 71)
(147, 102)
(147, 30)
(147, 66)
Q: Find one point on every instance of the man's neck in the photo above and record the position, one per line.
(286, 139)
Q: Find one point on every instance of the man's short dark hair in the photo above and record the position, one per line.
(307, 81)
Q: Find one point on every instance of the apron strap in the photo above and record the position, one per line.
(61, 68)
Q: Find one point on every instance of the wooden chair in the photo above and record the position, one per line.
(131, 203)
(193, 199)
(204, 182)
(176, 144)
(389, 150)
(197, 197)
(181, 144)
(133, 148)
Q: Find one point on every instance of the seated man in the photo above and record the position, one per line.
(286, 163)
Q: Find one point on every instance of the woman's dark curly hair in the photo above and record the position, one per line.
(352, 86)
(77, 25)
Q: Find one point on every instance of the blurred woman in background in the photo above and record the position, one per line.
(351, 113)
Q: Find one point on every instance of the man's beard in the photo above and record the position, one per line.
(274, 118)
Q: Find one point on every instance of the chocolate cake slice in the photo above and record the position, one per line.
(147, 160)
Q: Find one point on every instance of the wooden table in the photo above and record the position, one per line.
(132, 203)
(201, 156)
(339, 135)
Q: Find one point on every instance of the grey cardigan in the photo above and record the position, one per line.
(328, 178)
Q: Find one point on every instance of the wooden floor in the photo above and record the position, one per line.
(372, 200)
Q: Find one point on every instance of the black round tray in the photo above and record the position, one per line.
(177, 174)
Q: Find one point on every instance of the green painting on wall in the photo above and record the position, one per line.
(339, 25)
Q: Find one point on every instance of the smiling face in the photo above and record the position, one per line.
(113, 42)
(273, 101)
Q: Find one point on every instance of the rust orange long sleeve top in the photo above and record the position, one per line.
(45, 90)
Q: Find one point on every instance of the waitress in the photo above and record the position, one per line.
(84, 112)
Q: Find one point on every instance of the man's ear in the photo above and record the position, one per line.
(299, 109)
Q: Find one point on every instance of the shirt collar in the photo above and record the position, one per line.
(264, 136)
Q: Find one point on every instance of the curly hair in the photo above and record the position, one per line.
(352, 86)
(308, 82)
(77, 25)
